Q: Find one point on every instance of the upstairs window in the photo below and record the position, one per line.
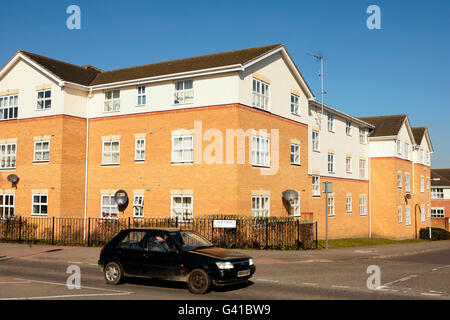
(141, 97)
(111, 152)
(44, 99)
(315, 186)
(295, 154)
(399, 180)
(112, 101)
(437, 213)
(362, 136)
(407, 183)
(139, 149)
(331, 163)
(9, 107)
(348, 164)
(260, 151)
(422, 184)
(260, 94)
(362, 169)
(41, 151)
(437, 193)
(406, 151)
(399, 147)
(7, 155)
(315, 140)
(330, 122)
(348, 128)
(295, 109)
(421, 156)
(184, 92)
(183, 149)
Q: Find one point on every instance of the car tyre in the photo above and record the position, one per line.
(199, 281)
(113, 273)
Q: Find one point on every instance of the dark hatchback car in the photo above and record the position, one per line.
(173, 254)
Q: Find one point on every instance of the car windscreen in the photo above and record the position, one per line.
(188, 240)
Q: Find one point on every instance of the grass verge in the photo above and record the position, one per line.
(361, 242)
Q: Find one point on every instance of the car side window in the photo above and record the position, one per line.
(134, 240)
(159, 242)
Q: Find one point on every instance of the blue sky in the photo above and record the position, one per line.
(402, 68)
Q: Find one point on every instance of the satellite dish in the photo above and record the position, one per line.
(121, 198)
(13, 179)
(290, 195)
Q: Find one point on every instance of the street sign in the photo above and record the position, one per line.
(327, 187)
(224, 224)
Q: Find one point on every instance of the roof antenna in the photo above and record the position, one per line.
(321, 76)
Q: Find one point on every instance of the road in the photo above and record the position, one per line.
(416, 276)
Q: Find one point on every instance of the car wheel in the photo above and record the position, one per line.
(199, 281)
(113, 273)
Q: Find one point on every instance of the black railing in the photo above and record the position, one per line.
(248, 232)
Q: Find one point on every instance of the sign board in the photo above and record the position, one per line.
(224, 224)
(327, 187)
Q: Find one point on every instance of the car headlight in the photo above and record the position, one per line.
(224, 265)
(250, 262)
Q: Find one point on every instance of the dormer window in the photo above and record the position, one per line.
(112, 101)
(44, 99)
(184, 92)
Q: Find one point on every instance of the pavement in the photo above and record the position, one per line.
(407, 271)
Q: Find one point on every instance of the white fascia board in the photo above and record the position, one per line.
(340, 113)
(382, 138)
(430, 145)
(167, 77)
(20, 55)
(291, 65)
(408, 128)
(75, 86)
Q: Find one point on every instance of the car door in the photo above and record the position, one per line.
(162, 260)
(130, 252)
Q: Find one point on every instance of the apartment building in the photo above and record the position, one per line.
(440, 198)
(225, 133)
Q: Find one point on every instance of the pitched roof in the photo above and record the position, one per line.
(89, 75)
(183, 65)
(63, 70)
(443, 175)
(385, 125)
(418, 133)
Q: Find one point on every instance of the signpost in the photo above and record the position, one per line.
(224, 224)
(327, 188)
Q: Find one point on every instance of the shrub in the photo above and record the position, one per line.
(436, 234)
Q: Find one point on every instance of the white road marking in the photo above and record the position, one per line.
(268, 280)
(346, 287)
(14, 282)
(69, 296)
(438, 268)
(396, 281)
(310, 284)
(75, 262)
(431, 294)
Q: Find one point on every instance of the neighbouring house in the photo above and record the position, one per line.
(440, 198)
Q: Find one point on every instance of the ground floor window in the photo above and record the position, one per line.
(110, 209)
(40, 204)
(408, 216)
(348, 204)
(138, 206)
(182, 207)
(6, 206)
(437, 213)
(261, 206)
(422, 213)
(400, 215)
(295, 207)
(315, 185)
(330, 205)
(363, 205)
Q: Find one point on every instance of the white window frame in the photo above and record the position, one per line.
(406, 151)
(362, 136)
(8, 155)
(187, 153)
(112, 104)
(257, 210)
(407, 182)
(42, 152)
(348, 164)
(399, 180)
(315, 185)
(330, 122)
(113, 208)
(295, 152)
(181, 95)
(9, 107)
(141, 96)
(295, 105)
(139, 152)
(422, 161)
(348, 128)
(349, 203)
(40, 204)
(437, 193)
(260, 151)
(43, 100)
(111, 152)
(437, 212)
(422, 184)
(362, 169)
(422, 213)
(330, 163)
(330, 205)
(400, 215)
(261, 94)
(399, 147)
(408, 215)
(315, 137)
(186, 209)
(295, 207)
(363, 205)
(138, 206)
(7, 207)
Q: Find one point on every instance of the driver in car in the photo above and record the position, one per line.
(158, 244)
